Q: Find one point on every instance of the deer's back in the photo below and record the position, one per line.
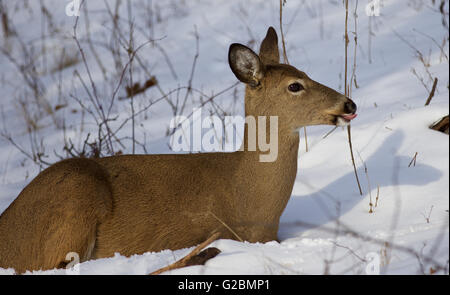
(163, 201)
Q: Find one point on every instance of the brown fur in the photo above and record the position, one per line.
(133, 204)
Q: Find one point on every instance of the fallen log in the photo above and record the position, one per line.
(442, 125)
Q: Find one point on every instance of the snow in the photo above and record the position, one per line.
(326, 227)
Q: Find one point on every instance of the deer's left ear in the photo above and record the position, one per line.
(245, 64)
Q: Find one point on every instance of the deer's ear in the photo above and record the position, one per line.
(245, 64)
(268, 52)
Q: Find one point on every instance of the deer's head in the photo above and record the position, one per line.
(275, 89)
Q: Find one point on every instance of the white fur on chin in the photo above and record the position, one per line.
(342, 122)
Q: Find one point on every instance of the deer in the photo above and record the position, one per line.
(132, 204)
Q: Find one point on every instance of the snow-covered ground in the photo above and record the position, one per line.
(326, 227)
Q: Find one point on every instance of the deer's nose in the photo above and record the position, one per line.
(350, 107)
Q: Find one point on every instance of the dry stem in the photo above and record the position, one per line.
(286, 58)
(346, 93)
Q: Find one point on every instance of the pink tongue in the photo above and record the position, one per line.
(349, 117)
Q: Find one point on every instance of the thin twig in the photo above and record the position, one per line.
(413, 161)
(282, 2)
(378, 195)
(349, 133)
(353, 76)
(366, 172)
(191, 76)
(346, 93)
(229, 228)
(329, 132)
(130, 57)
(433, 89)
(350, 251)
(282, 34)
(427, 218)
(348, 231)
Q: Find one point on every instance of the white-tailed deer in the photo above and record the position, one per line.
(133, 204)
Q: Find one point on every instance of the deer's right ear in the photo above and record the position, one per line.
(269, 48)
(245, 64)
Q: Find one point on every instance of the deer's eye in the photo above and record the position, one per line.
(295, 87)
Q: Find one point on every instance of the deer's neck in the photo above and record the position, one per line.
(266, 186)
(271, 183)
